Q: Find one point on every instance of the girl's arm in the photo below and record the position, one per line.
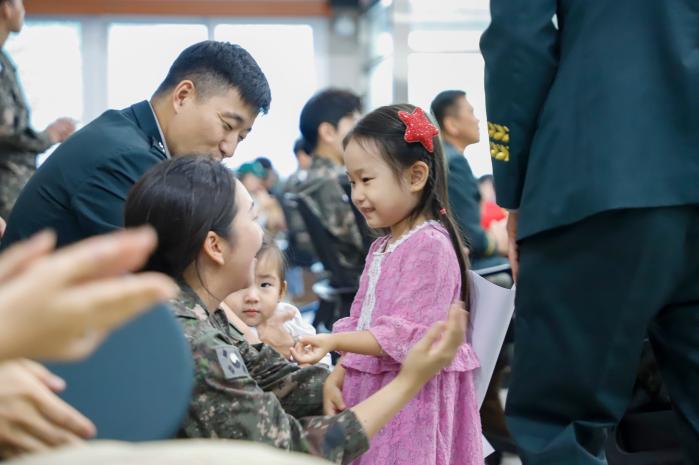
(426, 358)
(311, 349)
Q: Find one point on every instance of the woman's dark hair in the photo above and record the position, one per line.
(270, 249)
(216, 67)
(183, 199)
(383, 129)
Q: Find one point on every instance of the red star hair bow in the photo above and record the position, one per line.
(418, 128)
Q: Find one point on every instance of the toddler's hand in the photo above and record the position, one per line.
(333, 403)
(312, 349)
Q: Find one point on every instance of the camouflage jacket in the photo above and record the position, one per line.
(19, 143)
(252, 393)
(329, 201)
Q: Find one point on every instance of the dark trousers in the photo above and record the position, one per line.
(587, 297)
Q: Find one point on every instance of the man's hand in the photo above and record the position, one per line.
(498, 233)
(273, 333)
(61, 305)
(60, 129)
(333, 403)
(513, 252)
(312, 349)
(32, 417)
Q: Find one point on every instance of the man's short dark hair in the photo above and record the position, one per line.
(299, 145)
(217, 66)
(443, 103)
(328, 106)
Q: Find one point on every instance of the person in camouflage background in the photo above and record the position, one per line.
(19, 143)
(251, 392)
(325, 120)
(327, 199)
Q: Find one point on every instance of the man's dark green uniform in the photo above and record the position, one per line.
(80, 190)
(593, 110)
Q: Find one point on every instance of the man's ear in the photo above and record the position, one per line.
(327, 132)
(213, 248)
(183, 92)
(450, 126)
(417, 176)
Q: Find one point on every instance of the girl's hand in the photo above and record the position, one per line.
(333, 403)
(312, 349)
(437, 348)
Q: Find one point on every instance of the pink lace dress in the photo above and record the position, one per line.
(406, 286)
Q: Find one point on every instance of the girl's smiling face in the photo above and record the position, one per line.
(383, 198)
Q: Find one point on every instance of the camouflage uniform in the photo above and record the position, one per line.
(326, 197)
(251, 392)
(302, 251)
(19, 143)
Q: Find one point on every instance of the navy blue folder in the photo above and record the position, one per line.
(137, 385)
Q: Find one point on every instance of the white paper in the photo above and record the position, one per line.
(490, 314)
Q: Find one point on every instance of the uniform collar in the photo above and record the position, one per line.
(188, 304)
(160, 131)
(147, 121)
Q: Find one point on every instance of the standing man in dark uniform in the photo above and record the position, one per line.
(459, 129)
(19, 143)
(594, 130)
(206, 105)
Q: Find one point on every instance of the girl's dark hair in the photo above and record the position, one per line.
(183, 199)
(384, 130)
(270, 249)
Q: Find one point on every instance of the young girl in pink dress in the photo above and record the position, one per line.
(396, 167)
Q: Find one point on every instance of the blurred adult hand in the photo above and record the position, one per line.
(61, 305)
(3, 225)
(60, 129)
(32, 417)
(438, 346)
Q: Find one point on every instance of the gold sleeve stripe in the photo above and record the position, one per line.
(499, 151)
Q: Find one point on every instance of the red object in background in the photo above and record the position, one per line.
(491, 212)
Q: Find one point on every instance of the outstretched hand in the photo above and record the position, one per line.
(70, 299)
(312, 349)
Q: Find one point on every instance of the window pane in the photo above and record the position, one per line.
(50, 70)
(286, 55)
(140, 55)
(381, 84)
(431, 73)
